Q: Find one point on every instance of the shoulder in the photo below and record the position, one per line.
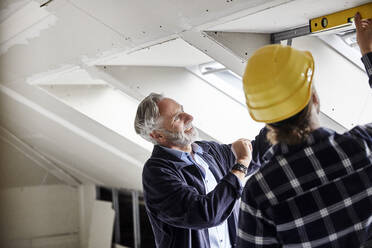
(212, 146)
(156, 166)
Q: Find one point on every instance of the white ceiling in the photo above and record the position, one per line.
(62, 42)
(175, 52)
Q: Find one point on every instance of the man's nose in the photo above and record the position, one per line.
(188, 117)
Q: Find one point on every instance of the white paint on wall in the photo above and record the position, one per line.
(28, 213)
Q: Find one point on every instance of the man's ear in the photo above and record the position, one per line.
(156, 135)
(316, 100)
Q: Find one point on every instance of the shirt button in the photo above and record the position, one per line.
(221, 240)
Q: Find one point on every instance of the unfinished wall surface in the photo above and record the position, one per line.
(39, 216)
(36, 208)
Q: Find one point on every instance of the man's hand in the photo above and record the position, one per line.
(364, 33)
(242, 149)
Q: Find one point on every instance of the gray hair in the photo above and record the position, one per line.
(147, 117)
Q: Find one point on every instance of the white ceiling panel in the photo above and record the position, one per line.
(65, 76)
(175, 52)
(143, 18)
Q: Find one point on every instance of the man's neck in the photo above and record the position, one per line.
(314, 121)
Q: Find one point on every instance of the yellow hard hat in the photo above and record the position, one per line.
(277, 82)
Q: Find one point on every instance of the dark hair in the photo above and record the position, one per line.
(293, 130)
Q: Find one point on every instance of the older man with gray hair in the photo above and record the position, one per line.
(190, 187)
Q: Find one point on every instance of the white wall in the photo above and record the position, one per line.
(36, 209)
(39, 216)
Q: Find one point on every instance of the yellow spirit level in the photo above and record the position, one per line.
(340, 19)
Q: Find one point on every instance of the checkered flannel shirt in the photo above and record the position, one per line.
(318, 194)
(367, 61)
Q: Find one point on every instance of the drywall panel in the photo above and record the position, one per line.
(72, 75)
(153, 18)
(175, 52)
(66, 31)
(215, 50)
(242, 45)
(68, 35)
(101, 226)
(18, 170)
(343, 88)
(38, 211)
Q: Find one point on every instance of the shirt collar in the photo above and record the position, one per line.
(185, 156)
(196, 148)
(314, 137)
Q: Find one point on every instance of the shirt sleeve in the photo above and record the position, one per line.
(173, 201)
(363, 132)
(260, 145)
(367, 61)
(255, 229)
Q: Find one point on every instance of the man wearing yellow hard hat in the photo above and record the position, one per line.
(314, 188)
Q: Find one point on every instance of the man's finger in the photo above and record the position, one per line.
(358, 21)
(357, 17)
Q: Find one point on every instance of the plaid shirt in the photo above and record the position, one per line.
(318, 194)
(367, 61)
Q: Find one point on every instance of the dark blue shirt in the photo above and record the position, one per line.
(178, 207)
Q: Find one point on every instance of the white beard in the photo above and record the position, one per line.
(181, 138)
